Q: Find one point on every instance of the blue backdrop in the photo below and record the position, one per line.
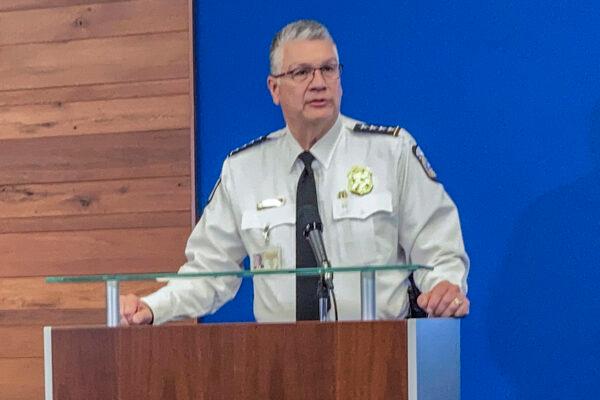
(503, 98)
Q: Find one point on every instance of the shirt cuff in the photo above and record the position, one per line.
(159, 307)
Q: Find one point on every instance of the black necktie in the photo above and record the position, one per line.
(307, 301)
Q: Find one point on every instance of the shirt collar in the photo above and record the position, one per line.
(322, 150)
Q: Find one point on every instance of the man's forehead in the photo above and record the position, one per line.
(304, 51)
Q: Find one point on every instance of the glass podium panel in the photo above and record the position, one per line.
(367, 282)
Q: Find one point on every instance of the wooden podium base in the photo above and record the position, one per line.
(306, 360)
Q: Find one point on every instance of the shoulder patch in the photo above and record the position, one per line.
(248, 145)
(212, 192)
(416, 150)
(385, 130)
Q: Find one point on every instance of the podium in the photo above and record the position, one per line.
(416, 359)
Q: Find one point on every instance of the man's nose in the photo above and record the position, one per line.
(317, 81)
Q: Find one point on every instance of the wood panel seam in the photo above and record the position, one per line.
(17, 357)
(75, 3)
(63, 103)
(92, 180)
(99, 84)
(65, 41)
(100, 134)
(98, 229)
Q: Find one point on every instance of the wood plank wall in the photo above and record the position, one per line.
(96, 176)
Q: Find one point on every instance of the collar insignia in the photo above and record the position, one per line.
(249, 145)
(385, 130)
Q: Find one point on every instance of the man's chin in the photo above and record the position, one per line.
(320, 115)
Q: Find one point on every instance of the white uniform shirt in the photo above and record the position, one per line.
(406, 218)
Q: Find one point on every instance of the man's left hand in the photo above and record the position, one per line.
(444, 300)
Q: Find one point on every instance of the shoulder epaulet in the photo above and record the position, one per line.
(250, 144)
(385, 130)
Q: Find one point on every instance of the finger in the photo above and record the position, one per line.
(436, 295)
(446, 302)
(122, 311)
(422, 300)
(121, 301)
(464, 309)
(130, 306)
(453, 307)
(142, 317)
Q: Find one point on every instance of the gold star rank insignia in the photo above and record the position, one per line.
(360, 180)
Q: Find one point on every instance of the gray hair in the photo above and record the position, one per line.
(304, 29)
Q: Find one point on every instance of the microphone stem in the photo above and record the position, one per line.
(326, 288)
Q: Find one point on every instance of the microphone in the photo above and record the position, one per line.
(313, 232)
(309, 218)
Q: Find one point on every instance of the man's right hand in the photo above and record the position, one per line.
(134, 311)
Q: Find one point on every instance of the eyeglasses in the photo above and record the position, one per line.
(302, 73)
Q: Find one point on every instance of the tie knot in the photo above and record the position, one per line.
(307, 158)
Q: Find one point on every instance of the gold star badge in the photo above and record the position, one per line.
(360, 180)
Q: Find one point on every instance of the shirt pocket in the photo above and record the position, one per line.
(360, 223)
(278, 223)
(272, 293)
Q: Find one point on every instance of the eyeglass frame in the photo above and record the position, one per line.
(339, 68)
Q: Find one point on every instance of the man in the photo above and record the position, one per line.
(376, 194)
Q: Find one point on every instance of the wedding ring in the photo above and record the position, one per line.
(457, 302)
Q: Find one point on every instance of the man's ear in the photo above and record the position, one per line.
(273, 85)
